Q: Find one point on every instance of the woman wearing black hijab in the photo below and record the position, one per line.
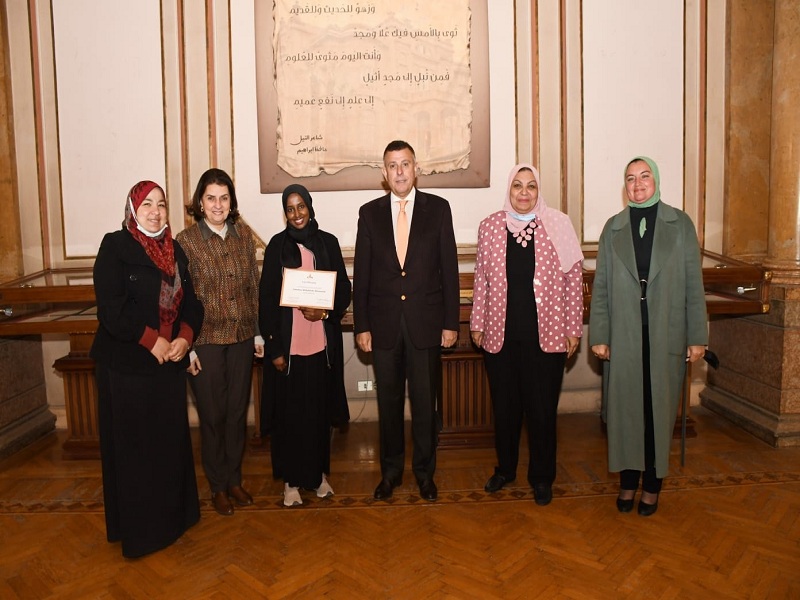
(303, 393)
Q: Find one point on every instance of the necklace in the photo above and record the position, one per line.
(525, 235)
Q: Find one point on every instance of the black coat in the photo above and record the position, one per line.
(127, 285)
(275, 323)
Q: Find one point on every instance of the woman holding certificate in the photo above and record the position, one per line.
(303, 391)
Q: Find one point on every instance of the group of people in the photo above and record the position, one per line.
(648, 302)
(196, 307)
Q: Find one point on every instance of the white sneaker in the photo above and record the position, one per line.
(324, 490)
(291, 496)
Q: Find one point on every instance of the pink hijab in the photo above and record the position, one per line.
(556, 223)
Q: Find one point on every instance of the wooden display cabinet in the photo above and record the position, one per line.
(62, 301)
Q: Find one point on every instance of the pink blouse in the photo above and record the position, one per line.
(308, 337)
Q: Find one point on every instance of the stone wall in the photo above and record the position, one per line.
(24, 414)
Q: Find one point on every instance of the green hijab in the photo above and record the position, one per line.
(654, 170)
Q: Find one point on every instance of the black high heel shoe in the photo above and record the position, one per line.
(625, 506)
(646, 509)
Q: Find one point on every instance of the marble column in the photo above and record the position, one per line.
(24, 414)
(784, 185)
(758, 383)
(10, 240)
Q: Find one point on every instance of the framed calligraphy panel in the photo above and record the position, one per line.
(336, 81)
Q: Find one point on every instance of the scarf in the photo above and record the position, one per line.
(158, 246)
(160, 249)
(555, 223)
(656, 195)
(308, 236)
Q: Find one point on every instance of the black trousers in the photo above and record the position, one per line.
(629, 478)
(525, 382)
(222, 392)
(422, 368)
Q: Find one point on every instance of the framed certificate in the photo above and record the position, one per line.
(310, 289)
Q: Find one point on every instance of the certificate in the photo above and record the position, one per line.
(310, 289)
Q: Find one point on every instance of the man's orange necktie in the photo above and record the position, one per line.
(401, 233)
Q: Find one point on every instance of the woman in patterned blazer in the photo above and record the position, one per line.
(222, 259)
(527, 315)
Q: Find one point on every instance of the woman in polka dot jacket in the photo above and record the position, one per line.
(527, 315)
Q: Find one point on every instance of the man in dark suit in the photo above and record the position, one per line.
(405, 309)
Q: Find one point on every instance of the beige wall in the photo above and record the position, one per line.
(106, 93)
(578, 95)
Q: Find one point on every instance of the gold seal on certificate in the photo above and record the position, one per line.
(308, 289)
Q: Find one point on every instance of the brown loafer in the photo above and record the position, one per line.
(222, 504)
(241, 497)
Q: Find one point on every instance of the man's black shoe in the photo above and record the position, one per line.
(384, 490)
(427, 490)
(496, 483)
(542, 494)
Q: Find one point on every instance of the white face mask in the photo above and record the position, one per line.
(149, 234)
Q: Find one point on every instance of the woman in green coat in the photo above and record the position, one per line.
(648, 318)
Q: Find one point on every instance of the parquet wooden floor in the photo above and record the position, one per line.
(728, 526)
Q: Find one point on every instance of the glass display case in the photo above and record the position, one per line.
(62, 301)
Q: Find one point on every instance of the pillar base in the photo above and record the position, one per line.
(780, 431)
(757, 385)
(26, 430)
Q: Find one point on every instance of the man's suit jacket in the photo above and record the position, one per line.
(425, 290)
